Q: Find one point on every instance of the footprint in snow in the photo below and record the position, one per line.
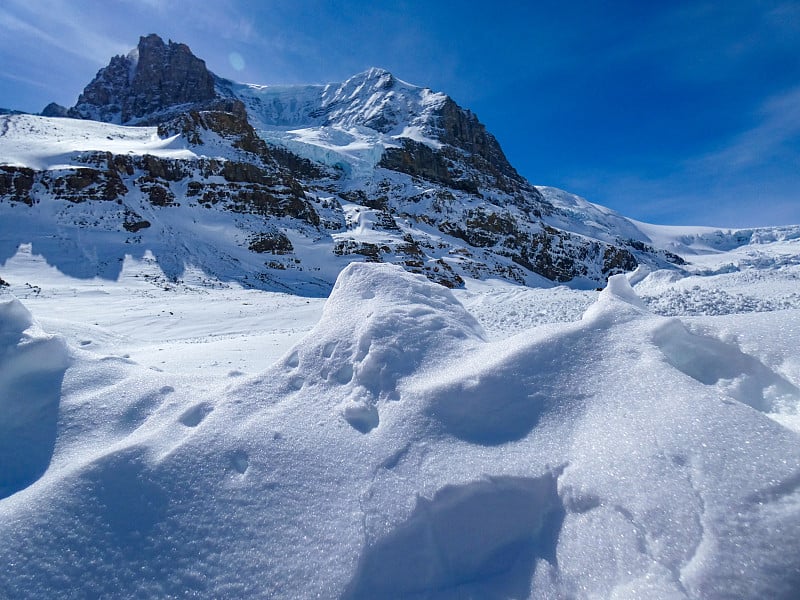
(195, 415)
(240, 461)
(293, 361)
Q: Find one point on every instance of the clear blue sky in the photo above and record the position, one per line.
(669, 112)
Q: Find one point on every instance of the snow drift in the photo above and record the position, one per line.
(32, 365)
(395, 452)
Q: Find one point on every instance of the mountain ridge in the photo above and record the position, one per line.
(369, 169)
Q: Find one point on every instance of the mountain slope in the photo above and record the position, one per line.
(371, 169)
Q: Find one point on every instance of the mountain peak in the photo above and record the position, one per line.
(153, 77)
(383, 77)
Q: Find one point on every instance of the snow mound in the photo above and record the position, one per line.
(394, 452)
(32, 366)
(380, 323)
(617, 301)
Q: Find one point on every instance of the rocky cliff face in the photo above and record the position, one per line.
(370, 169)
(152, 78)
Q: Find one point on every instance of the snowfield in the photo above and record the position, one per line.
(169, 438)
(53, 143)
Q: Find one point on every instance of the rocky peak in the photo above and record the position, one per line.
(149, 80)
(370, 81)
(54, 110)
(461, 129)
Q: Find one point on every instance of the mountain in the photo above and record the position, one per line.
(282, 186)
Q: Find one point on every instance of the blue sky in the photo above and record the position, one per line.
(669, 112)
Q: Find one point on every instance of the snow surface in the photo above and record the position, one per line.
(54, 143)
(188, 438)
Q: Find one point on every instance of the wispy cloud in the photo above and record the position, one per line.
(57, 25)
(25, 80)
(753, 179)
(777, 127)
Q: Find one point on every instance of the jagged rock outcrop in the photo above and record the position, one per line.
(461, 129)
(16, 183)
(151, 79)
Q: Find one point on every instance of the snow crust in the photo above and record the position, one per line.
(404, 447)
(32, 365)
(166, 431)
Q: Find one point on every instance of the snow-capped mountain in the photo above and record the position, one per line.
(164, 156)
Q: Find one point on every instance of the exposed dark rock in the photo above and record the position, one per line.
(167, 169)
(371, 251)
(54, 110)
(562, 256)
(82, 184)
(484, 229)
(224, 116)
(298, 166)
(617, 260)
(82, 178)
(242, 172)
(261, 200)
(462, 129)
(158, 194)
(154, 77)
(135, 226)
(470, 158)
(274, 243)
(16, 183)
(385, 221)
(419, 160)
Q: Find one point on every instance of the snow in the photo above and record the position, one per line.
(418, 134)
(31, 370)
(356, 150)
(577, 214)
(714, 241)
(53, 143)
(346, 125)
(168, 438)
